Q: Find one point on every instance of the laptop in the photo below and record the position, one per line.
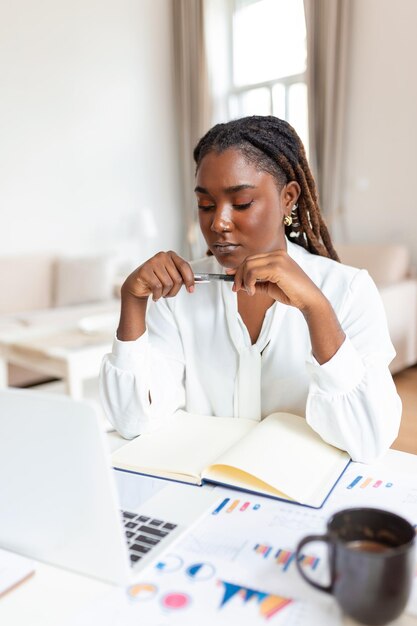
(58, 497)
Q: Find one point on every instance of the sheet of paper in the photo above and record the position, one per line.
(369, 486)
(237, 565)
(14, 569)
(164, 605)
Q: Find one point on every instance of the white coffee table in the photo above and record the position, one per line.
(68, 353)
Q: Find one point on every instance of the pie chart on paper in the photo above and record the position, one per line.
(200, 571)
(142, 591)
(170, 563)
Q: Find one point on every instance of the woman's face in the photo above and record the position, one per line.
(241, 209)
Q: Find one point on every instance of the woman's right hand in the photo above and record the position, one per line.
(162, 276)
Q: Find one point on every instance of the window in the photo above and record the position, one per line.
(268, 61)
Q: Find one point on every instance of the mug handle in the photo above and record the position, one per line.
(303, 542)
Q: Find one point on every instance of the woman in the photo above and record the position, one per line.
(295, 331)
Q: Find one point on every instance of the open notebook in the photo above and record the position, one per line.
(281, 456)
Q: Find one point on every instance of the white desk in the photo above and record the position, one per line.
(53, 595)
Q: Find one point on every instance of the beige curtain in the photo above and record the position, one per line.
(328, 38)
(193, 103)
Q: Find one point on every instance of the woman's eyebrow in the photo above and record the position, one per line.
(201, 190)
(232, 189)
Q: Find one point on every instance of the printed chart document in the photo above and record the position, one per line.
(281, 456)
(236, 566)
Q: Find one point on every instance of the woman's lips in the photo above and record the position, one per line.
(225, 248)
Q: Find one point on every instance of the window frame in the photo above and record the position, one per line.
(237, 92)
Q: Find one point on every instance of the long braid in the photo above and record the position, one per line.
(274, 146)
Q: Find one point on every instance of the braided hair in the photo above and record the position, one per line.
(273, 146)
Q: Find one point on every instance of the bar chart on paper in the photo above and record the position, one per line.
(268, 604)
(230, 505)
(285, 558)
(237, 565)
(362, 482)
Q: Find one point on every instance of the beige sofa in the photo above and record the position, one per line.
(53, 291)
(390, 267)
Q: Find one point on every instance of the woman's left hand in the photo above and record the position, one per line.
(276, 274)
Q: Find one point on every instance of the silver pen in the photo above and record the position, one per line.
(207, 278)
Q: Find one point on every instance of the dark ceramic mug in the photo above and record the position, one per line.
(371, 558)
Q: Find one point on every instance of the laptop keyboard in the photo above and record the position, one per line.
(143, 533)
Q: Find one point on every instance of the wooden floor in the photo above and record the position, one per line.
(406, 382)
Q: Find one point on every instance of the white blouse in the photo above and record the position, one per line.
(197, 355)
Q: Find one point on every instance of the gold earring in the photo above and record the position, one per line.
(288, 220)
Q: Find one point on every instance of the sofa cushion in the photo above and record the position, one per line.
(386, 263)
(83, 279)
(400, 304)
(25, 282)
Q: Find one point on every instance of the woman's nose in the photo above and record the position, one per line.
(221, 221)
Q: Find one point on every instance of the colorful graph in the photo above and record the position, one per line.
(175, 601)
(269, 604)
(170, 563)
(263, 549)
(286, 557)
(200, 571)
(362, 483)
(142, 591)
(228, 506)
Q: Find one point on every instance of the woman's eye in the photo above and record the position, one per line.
(241, 207)
(206, 207)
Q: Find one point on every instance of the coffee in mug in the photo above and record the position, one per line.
(371, 560)
(365, 545)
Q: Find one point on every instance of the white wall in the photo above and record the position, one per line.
(87, 127)
(381, 138)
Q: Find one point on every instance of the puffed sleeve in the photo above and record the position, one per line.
(142, 381)
(352, 401)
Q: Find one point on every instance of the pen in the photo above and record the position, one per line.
(206, 278)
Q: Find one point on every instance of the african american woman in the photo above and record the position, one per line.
(295, 330)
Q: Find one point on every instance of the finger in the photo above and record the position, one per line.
(231, 271)
(177, 280)
(146, 281)
(257, 270)
(155, 286)
(165, 279)
(140, 286)
(185, 270)
(249, 279)
(142, 281)
(238, 282)
(245, 278)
